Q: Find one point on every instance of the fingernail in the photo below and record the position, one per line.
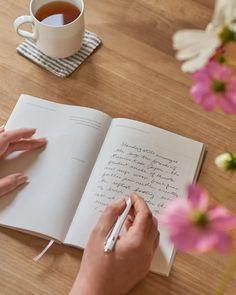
(2, 127)
(33, 130)
(22, 178)
(120, 201)
(43, 139)
(134, 194)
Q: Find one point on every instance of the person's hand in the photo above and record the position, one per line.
(16, 140)
(120, 270)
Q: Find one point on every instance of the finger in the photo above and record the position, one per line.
(143, 215)
(129, 222)
(154, 233)
(156, 241)
(109, 217)
(8, 137)
(25, 145)
(130, 219)
(155, 221)
(11, 182)
(2, 128)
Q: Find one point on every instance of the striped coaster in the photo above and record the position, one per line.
(62, 67)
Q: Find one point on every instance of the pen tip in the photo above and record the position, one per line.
(106, 250)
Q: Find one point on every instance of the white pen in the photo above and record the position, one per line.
(114, 233)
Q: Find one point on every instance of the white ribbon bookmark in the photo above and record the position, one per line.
(36, 258)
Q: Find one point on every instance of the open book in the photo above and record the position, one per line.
(90, 161)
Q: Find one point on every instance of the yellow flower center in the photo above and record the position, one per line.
(219, 86)
(200, 219)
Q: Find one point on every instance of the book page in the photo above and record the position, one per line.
(141, 158)
(58, 173)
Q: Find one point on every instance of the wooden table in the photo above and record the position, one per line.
(135, 75)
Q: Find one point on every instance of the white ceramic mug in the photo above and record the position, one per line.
(55, 41)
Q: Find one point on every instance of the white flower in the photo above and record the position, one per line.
(197, 46)
(226, 162)
(224, 14)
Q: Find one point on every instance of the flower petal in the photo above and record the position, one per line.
(224, 242)
(194, 239)
(184, 239)
(231, 95)
(221, 218)
(224, 13)
(197, 197)
(202, 59)
(185, 38)
(175, 215)
(195, 63)
(218, 71)
(206, 241)
(209, 102)
(232, 85)
(187, 53)
(195, 45)
(199, 91)
(202, 76)
(227, 105)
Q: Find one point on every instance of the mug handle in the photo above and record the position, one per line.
(22, 20)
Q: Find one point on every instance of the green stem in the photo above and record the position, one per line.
(227, 276)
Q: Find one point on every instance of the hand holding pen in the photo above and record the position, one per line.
(129, 260)
(114, 233)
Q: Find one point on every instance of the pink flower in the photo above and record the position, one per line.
(195, 226)
(215, 84)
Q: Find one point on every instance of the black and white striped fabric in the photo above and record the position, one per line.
(62, 67)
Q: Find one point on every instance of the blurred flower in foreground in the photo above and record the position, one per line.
(195, 226)
(197, 46)
(226, 162)
(215, 84)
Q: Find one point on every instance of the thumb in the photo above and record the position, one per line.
(110, 215)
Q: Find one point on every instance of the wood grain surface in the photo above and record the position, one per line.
(134, 74)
